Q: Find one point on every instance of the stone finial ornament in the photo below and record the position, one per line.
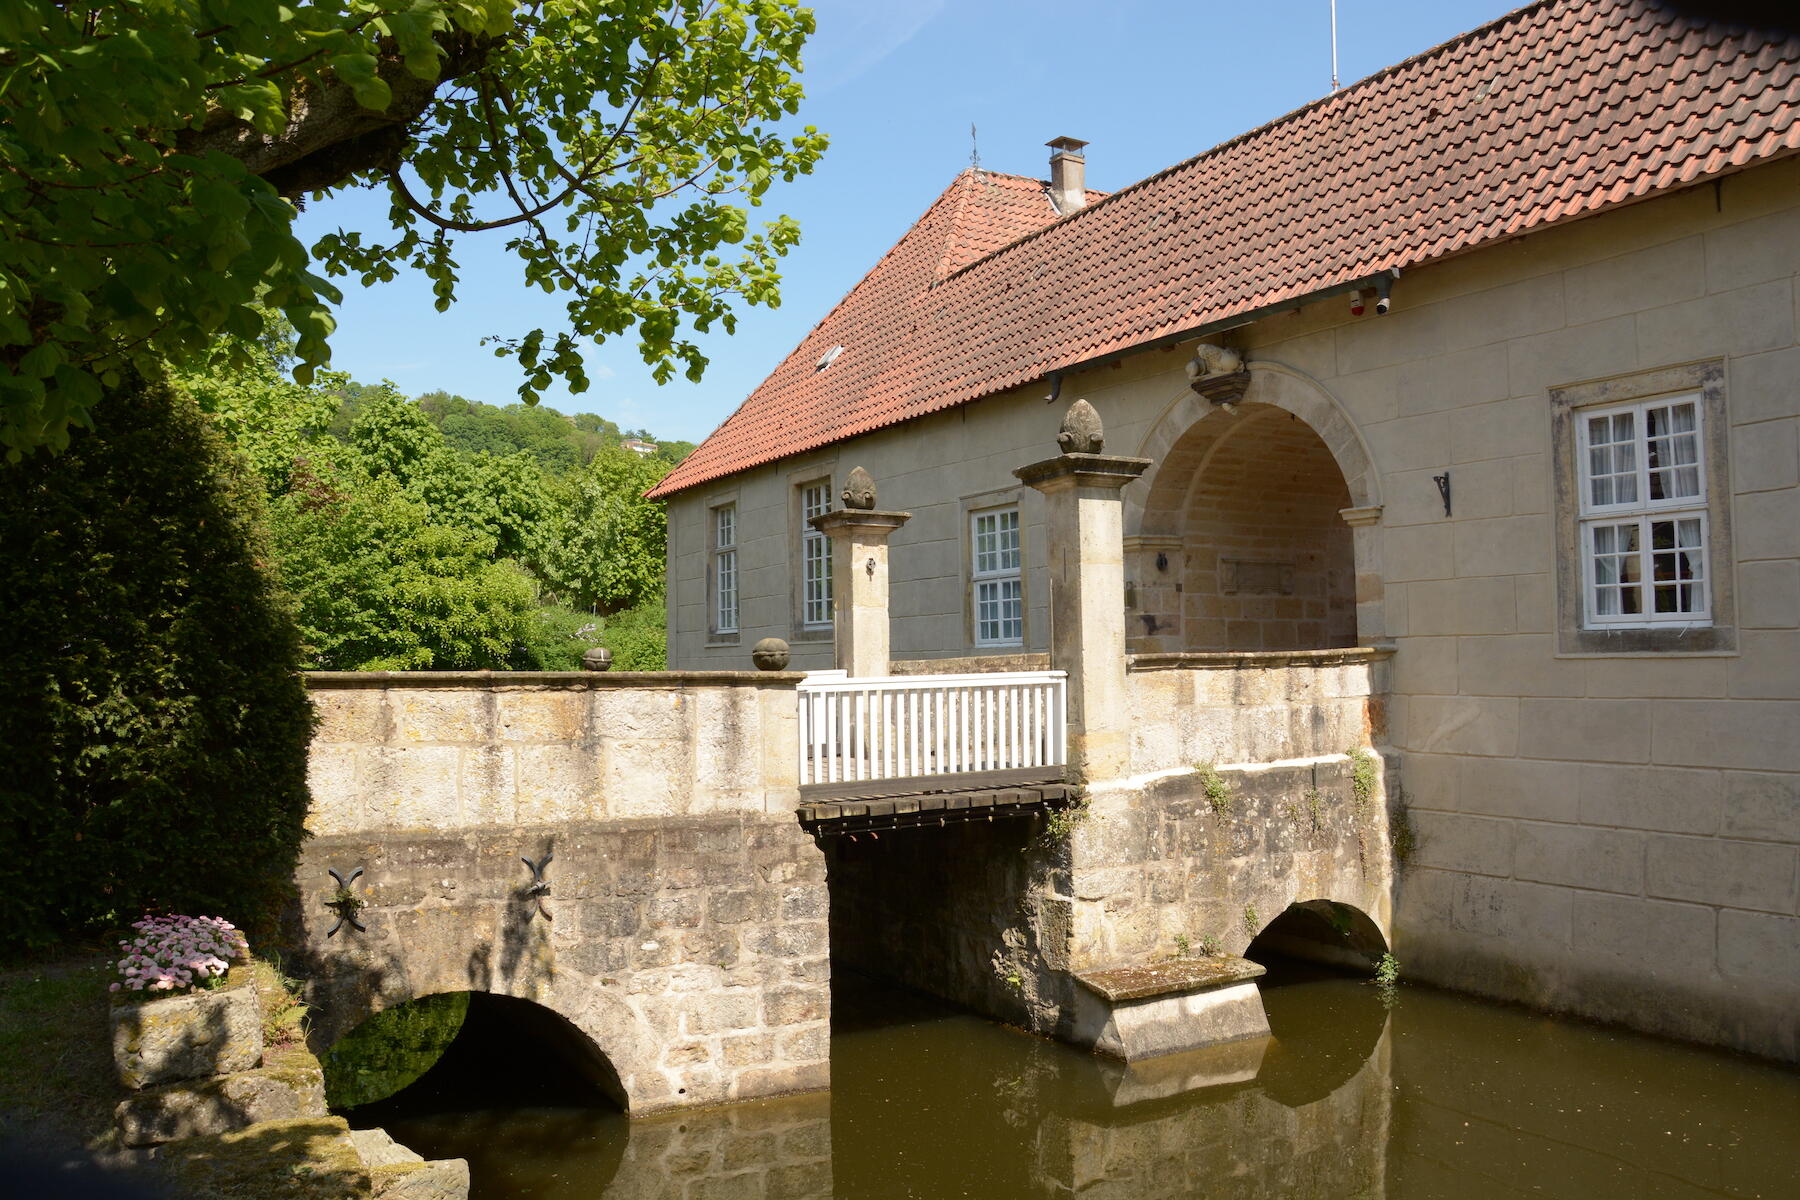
(1081, 431)
(770, 654)
(1211, 359)
(599, 658)
(859, 489)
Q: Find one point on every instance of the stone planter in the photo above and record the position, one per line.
(189, 1037)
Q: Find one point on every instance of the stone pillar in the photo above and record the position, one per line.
(1371, 602)
(859, 576)
(1085, 514)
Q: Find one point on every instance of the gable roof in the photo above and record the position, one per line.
(1556, 111)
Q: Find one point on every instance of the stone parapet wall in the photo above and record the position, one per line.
(691, 952)
(459, 750)
(1253, 707)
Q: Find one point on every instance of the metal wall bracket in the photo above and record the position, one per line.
(539, 887)
(1443, 487)
(345, 903)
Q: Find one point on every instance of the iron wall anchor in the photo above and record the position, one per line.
(539, 887)
(345, 903)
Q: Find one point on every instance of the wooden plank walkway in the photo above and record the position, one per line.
(913, 810)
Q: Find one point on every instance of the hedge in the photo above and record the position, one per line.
(153, 723)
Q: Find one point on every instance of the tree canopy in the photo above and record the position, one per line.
(153, 152)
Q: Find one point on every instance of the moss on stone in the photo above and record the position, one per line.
(311, 1158)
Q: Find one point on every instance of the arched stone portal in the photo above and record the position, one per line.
(1256, 531)
(1327, 932)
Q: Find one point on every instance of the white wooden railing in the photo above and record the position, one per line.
(914, 726)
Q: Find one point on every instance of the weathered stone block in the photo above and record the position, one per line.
(1658, 938)
(410, 786)
(1585, 730)
(432, 1179)
(1659, 798)
(636, 714)
(558, 717)
(780, 1081)
(1762, 806)
(1463, 725)
(1757, 875)
(188, 1037)
(1602, 859)
(558, 783)
(453, 716)
(290, 1088)
(307, 1159)
(1760, 946)
(721, 1012)
(378, 1149)
(1457, 843)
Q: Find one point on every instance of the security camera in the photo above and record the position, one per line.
(1382, 305)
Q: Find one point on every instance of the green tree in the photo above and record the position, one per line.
(155, 729)
(153, 152)
(380, 586)
(607, 548)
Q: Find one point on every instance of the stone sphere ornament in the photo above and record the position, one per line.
(1081, 431)
(770, 654)
(859, 490)
(597, 659)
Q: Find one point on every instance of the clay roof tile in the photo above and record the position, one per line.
(1555, 111)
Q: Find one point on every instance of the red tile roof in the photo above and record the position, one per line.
(1556, 111)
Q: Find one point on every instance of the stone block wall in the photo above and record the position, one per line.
(1158, 870)
(691, 952)
(1188, 709)
(459, 750)
(968, 912)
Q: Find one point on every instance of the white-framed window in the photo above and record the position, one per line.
(1643, 514)
(725, 569)
(815, 556)
(999, 589)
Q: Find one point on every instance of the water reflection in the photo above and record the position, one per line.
(1442, 1096)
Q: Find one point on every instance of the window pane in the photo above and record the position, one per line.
(999, 611)
(815, 556)
(996, 541)
(1673, 450)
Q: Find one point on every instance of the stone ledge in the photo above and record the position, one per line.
(1236, 659)
(320, 681)
(1174, 977)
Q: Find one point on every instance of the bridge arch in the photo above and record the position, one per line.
(520, 1050)
(1328, 932)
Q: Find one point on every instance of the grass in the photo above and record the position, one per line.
(1362, 778)
(58, 1089)
(1218, 793)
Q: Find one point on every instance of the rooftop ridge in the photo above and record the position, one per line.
(1549, 113)
(1273, 123)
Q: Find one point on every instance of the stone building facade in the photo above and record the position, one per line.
(1592, 705)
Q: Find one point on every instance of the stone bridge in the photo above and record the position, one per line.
(628, 851)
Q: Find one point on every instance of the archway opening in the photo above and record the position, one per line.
(1246, 547)
(1323, 933)
(1326, 1027)
(466, 1052)
(1269, 562)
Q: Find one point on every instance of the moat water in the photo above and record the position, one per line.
(1413, 1095)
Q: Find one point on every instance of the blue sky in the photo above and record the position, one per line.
(897, 84)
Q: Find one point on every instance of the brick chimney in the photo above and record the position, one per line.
(1068, 174)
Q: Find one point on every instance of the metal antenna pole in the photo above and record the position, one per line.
(1334, 75)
